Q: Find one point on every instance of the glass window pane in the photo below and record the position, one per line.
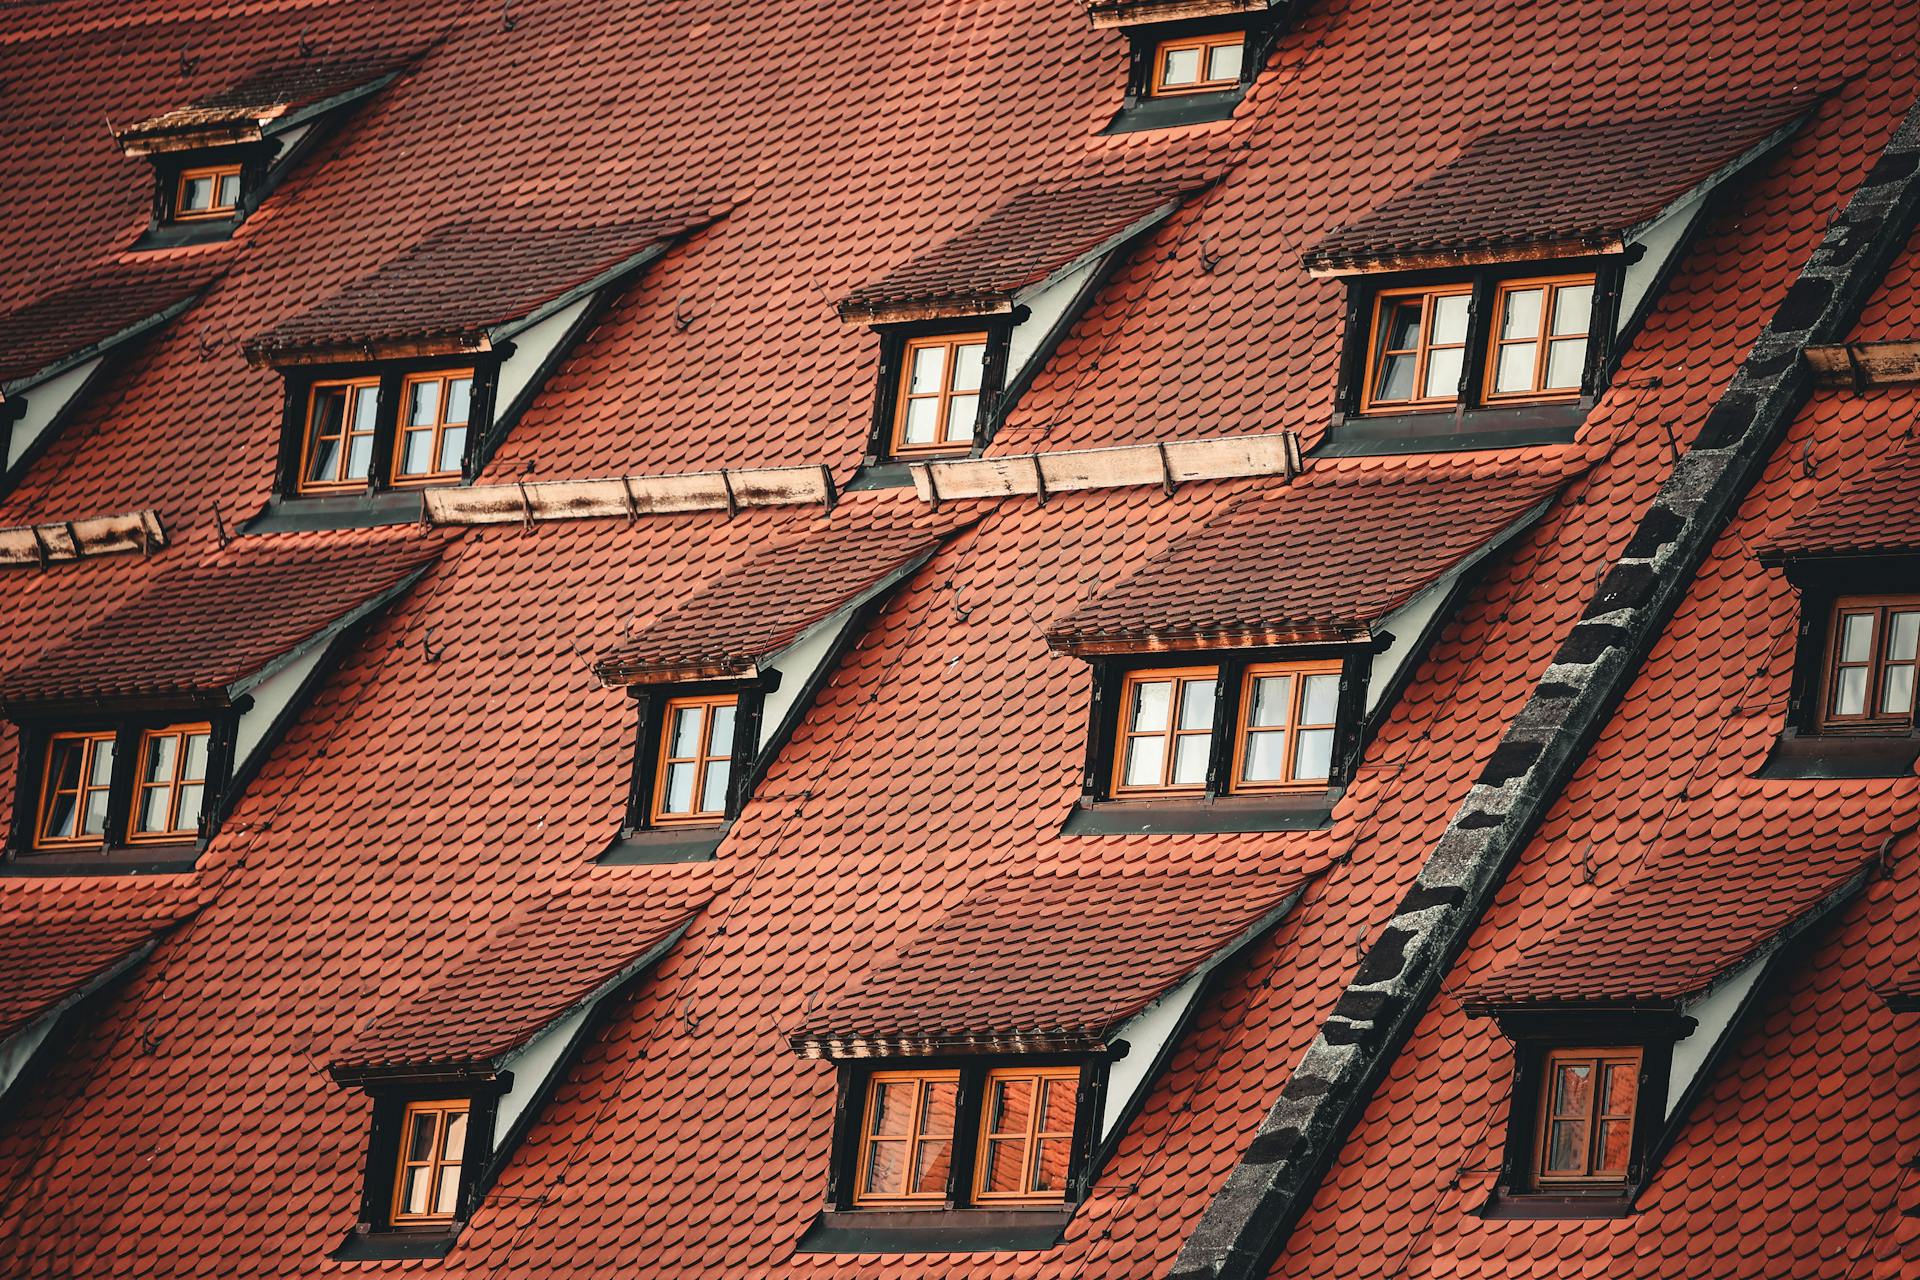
(449, 1189)
(920, 421)
(684, 742)
(1443, 372)
(1896, 696)
(188, 818)
(1572, 307)
(1513, 371)
(196, 765)
(423, 402)
(720, 732)
(420, 1139)
(1190, 759)
(322, 459)
(366, 405)
(1566, 361)
(679, 798)
(1009, 1102)
(939, 1101)
(359, 453)
(102, 763)
(1050, 1165)
(1223, 62)
(1196, 704)
(1520, 313)
(63, 769)
(455, 1146)
(94, 817)
(1313, 755)
(1396, 378)
(1566, 1147)
(1401, 327)
(1850, 692)
(929, 368)
(60, 816)
(453, 444)
(1151, 699)
(1449, 319)
(1003, 1164)
(1572, 1089)
(892, 1107)
(1856, 637)
(196, 195)
(961, 414)
(1320, 699)
(1270, 701)
(414, 1198)
(415, 450)
(1261, 762)
(930, 1167)
(1182, 67)
(713, 792)
(886, 1168)
(1145, 759)
(1618, 1090)
(1616, 1139)
(967, 362)
(153, 809)
(1057, 1102)
(459, 400)
(1903, 631)
(230, 190)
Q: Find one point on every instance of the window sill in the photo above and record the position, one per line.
(174, 235)
(884, 475)
(935, 1230)
(292, 514)
(1310, 811)
(665, 844)
(1506, 427)
(1512, 1206)
(147, 859)
(392, 1246)
(1841, 756)
(1175, 111)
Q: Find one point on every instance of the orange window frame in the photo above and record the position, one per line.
(1422, 350)
(350, 430)
(1029, 1135)
(213, 173)
(1542, 338)
(1877, 665)
(940, 446)
(437, 428)
(703, 759)
(90, 747)
(1594, 1116)
(436, 1163)
(1124, 735)
(1244, 728)
(913, 1140)
(1205, 45)
(173, 785)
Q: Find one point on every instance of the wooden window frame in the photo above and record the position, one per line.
(897, 445)
(1594, 1118)
(393, 379)
(1296, 700)
(896, 368)
(914, 1140)
(1031, 1136)
(352, 387)
(213, 172)
(1871, 722)
(436, 1162)
(703, 760)
(1204, 45)
(174, 834)
(436, 431)
(1123, 735)
(1551, 287)
(651, 727)
(43, 808)
(1422, 350)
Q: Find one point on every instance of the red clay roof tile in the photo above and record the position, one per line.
(203, 626)
(567, 945)
(1049, 960)
(269, 91)
(106, 304)
(1556, 189)
(53, 948)
(1322, 557)
(1878, 513)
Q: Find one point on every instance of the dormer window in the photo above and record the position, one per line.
(426, 1179)
(342, 418)
(1539, 348)
(1189, 61)
(1872, 645)
(432, 444)
(1198, 64)
(1419, 347)
(1588, 1108)
(77, 783)
(693, 776)
(212, 191)
(170, 782)
(942, 378)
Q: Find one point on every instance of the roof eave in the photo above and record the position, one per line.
(1418, 258)
(1111, 644)
(100, 347)
(1109, 14)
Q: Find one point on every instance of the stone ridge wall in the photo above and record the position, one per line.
(1246, 1223)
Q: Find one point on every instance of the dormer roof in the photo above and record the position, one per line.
(104, 308)
(270, 99)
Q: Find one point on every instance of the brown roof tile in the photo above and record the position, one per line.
(1877, 513)
(104, 305)
(269, 91)
(52, 946)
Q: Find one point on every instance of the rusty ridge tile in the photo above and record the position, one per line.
(1321, 559)
(271, 91)
(466, 278)
(567, 945)
(53, 946)
(1033, 235)
(764, 605)
(1564, 188)
(1878, 513)
(1694, 912)
(106, 305)
(203, 626)
(1050, 960)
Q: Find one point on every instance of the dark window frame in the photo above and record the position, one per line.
(376, 1234)
(894, 340)
(650, 736)
(301, 380)
(1472, 417)
(1141, 108)
(1821, 719)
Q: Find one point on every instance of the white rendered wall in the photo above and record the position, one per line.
(44, 403)
(1146, 1034)
(531, 347)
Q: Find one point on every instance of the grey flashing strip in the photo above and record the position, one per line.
(1246, 1224)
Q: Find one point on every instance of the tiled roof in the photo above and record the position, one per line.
(1554, 189)
(1048, 960)
(765, 604)
(203, 626)
(267, 92)
(1902, 990)
(103, 305)
(1319, 558)
(565, 946)
(467, 278)
(1029, 237)
(53, 946)
(1877, 513)
(1690, 916)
